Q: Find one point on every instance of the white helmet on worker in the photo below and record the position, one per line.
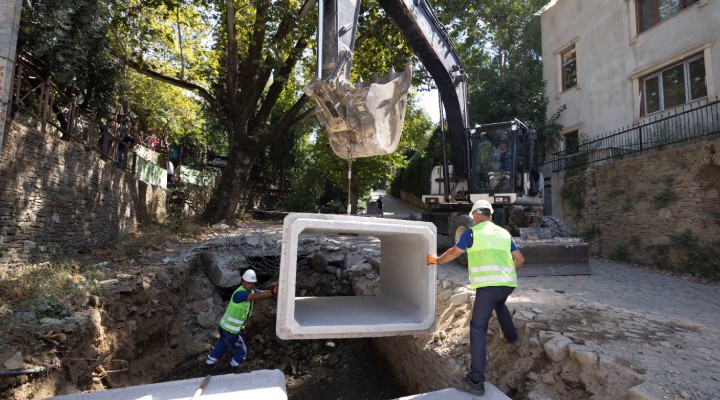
(249, 276)
(481, 204)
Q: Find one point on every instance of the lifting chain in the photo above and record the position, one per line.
(350, 161)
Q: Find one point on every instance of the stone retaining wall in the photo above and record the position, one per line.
(56, 197)
(652, 208)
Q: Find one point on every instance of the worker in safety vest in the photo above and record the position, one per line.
(493, 258)
(233, 321)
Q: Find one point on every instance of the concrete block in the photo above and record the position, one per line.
(405, 303)
(263, 384)
(491, 393)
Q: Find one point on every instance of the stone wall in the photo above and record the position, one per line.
(57, 197)
(657, 208)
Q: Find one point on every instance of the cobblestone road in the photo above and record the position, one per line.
(666, 325)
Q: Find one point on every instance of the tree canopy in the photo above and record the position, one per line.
(230, 74)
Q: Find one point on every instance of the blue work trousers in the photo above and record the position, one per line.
(488, 299)
(232, 342)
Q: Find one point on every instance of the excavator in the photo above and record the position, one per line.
(496, 162)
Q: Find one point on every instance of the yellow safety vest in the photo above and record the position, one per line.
(490, 262)
(236, 314)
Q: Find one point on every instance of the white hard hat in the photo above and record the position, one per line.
(249, 276)
(480, 204)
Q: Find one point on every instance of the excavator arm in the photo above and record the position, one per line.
(430, 41)
(366, 119)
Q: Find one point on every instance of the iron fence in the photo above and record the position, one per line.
(38, 103)
(685, 124)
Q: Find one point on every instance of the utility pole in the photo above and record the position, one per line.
(9, 26)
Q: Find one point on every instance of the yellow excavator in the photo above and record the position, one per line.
(496, 162)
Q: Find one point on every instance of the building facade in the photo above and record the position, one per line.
(619, 63)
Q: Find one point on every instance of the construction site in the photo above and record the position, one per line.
(609, 335)
(345, 246)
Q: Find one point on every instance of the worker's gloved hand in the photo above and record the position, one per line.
(432, 260)
(275, 290)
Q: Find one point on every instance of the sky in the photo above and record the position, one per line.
(429, 103)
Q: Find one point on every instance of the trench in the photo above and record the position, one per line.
(369, 369)
(158, 331)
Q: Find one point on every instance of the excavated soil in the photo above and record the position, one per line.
(633, 334)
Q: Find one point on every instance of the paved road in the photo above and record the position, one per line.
(394, 207)
(640, 290)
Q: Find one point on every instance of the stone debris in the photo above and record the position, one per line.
(565, 349)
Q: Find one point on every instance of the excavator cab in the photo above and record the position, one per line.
(504, 162)
(364, 119)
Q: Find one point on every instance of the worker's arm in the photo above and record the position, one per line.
(518, 258)
(263, 294)
(451, 254)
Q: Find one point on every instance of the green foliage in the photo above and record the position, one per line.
(68, 39)
(621, 254)
(701, 259)
(590, 233)
(616, 192)
(499, 43)
(166, 111)
(629, 204)
(412, 179)
(691, 256)
(574, 193)
(320, 181)
(664, 198)
(415, 177)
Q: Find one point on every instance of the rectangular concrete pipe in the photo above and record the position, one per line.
(405, 303)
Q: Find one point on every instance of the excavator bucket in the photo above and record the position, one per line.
(362, 120)
(554, 256)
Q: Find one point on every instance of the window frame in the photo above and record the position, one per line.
(571, 141)
(563, 76)
(683, 4)
(658, 74)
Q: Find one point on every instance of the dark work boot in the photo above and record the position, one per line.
(465, 384)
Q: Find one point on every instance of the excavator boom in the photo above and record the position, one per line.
(366, 119)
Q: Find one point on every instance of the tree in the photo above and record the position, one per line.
(67, 39)
(250, 74)
(166, 112)
(499, 42)
(327, 175)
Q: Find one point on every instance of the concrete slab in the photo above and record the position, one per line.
(263, 384)
(406, 300)
(491, 393)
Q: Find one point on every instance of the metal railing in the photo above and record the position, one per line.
(38, 103)
(685, 124)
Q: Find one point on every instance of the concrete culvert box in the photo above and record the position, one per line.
(405, 301)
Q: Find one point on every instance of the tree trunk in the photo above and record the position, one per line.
(232, 185)
(353, 197)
